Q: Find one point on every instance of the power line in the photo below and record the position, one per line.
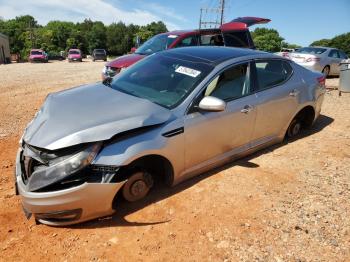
(204, 22)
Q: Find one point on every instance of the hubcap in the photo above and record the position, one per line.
(138, 188)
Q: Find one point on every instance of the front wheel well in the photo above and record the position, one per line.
(158, 166)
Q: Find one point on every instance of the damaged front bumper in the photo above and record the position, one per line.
(67, 206)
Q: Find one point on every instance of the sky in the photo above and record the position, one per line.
(298, 21)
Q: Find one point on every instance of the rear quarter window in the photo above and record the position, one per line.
(271, 73)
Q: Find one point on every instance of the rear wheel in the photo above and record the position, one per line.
(294, 128)
(326, 71)
(137, 186)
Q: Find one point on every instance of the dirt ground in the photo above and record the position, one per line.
(290, 202)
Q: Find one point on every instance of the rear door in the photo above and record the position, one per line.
(335, 60)
(277, 98)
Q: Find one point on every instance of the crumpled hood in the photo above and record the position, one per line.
(89, 113)
(125, 61)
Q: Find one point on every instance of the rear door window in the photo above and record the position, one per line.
(211, 40)
(236, 38)
(270, 73)
(188, 41)
(334, 54)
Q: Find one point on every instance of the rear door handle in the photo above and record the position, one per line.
(294, 93)
(246, 109)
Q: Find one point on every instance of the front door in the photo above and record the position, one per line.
(212, 136)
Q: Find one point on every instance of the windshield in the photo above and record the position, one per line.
(156, 44)
(162, 79)
(74, 52)
(99, 51)
(311, 50)
(36, 53)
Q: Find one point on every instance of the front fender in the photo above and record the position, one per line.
(125, 151)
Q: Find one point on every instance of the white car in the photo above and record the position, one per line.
(322, 59)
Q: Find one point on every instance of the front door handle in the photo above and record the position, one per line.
(246, 109)
(294, 92)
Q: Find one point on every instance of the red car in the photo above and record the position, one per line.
(75, 55)
(234, 33)
(38, 55)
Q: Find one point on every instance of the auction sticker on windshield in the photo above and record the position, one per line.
(187, 71)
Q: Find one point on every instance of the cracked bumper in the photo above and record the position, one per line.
(68, 206)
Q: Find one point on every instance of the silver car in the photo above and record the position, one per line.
(169, 117)
(322, 59)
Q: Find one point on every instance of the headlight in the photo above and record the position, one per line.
(105, 69)
(59, 169)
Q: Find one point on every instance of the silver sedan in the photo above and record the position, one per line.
(322, 59)
(171, 116)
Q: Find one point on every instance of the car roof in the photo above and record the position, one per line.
(210, 54)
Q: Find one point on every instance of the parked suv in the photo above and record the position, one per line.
(38, 55)
(234, 34)
(75, 55)
(318, 58)
(99, 54)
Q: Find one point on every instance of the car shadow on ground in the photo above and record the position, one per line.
(161, 192)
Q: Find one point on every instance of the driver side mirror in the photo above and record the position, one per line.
(212, 104)
(132, 50)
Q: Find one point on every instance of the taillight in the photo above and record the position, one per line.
(321, 80)
(313, 59)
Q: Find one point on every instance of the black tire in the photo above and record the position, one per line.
(294, 128)
(326, 71)
(137, 186)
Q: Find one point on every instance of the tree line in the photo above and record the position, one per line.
(118, 38)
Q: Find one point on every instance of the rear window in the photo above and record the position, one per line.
(236, 39)
(36, 53)
(272, 72)
(312, 50)
(100, 51)
(74, 52)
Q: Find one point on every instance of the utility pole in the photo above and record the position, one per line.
(222, 11)
(209, 23)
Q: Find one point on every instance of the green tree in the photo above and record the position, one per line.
(322, 42)
(267, 39)
(96, 37)
(25, 33)
(341, 42)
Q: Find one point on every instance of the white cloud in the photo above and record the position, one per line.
(77, 10)
(169, 12)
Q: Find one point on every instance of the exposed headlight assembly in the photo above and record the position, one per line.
(62, 167)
